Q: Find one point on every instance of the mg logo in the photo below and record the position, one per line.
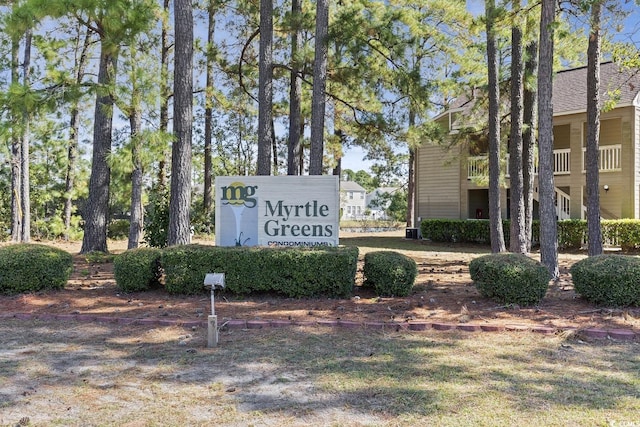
(238, 194)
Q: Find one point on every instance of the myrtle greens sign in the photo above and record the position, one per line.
(277, 210)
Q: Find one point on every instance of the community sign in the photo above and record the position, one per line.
(277, 210)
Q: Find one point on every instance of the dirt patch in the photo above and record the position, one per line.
(443, 293)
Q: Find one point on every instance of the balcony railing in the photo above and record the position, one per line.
(561, 162)
(478, 166)
(609, 158)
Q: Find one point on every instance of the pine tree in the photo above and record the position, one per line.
(548, 219)
(518, 238)
(180, 198)
(593, 132)
(495, 215)
(318, 102)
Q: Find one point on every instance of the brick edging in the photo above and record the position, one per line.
(594, 333)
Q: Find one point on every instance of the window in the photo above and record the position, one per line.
(350, 195)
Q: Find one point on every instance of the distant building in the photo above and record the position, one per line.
(453, 183)
(352, 200)
(378, 201)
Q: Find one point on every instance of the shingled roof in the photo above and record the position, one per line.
(351, 186)
(570, 87)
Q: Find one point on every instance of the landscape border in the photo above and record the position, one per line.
(414, 326)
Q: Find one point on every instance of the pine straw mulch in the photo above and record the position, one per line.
(443, 293)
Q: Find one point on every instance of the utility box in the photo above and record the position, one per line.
(411, 233)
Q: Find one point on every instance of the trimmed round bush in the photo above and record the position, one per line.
(389, 273)
(30, 267)
(612, 280)
(137, 269)
(510, 278)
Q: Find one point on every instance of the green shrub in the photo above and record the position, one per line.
(442, 230)
(510, 278)
(156, 223)
(118, 229)
(293, 272)
(572, 233)
(612, 280)
(31, 267)
(137, 269)
(97, 257)
(461, 230)
(622, 232)
(389, 273)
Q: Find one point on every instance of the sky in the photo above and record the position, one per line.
(353, 159)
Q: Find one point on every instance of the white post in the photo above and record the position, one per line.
(213, 307)
(212, 331)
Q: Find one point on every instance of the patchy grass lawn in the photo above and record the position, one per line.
(103, 374)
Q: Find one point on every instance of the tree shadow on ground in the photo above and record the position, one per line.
(306, 372)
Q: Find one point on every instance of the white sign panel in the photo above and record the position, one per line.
(277, 210)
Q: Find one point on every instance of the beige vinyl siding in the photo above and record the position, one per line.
(635, 121)
(438, 183)
(622, 133)
(610, 132)
(561, 136)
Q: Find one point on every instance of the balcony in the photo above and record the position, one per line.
(609, 158)
(478, 166)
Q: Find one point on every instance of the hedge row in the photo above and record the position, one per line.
(509, 278)
(572, 234)
(138, 269)
(286, 271)
(291, 272)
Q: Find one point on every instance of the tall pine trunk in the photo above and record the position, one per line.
(530, 104)
(265, 90)
(16, 153)
(518, 238)
(208, 119)
(495, 215)
(295, 93)
(74, 136)
(137, 215)
(26, 125)
(165, 93)
(96, 211)
(412, 174)
(318, 101)
(548, 219)
(593, 132)
(180, 198)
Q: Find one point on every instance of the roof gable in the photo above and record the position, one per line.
(351, 186)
